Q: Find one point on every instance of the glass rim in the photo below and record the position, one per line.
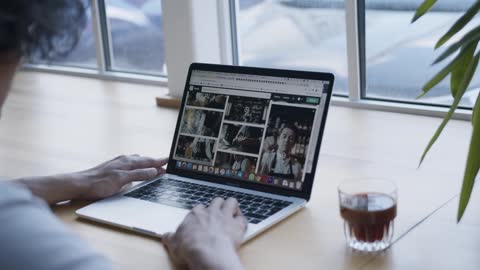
(393, 187)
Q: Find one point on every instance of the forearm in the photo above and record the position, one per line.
(96, 183)
(55, 188)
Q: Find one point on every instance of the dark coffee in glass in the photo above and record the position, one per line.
(368, 209)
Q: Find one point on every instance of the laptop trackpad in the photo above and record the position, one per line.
(143, 216)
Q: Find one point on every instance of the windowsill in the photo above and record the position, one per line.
(164, 100)
(93, 73)
(426, 110)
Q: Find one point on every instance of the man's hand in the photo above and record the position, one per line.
(99, 182)
(108, 178)
(208, 237)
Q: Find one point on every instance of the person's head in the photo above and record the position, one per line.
(286, 138)
(36, 28)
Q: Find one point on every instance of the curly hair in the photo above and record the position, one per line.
(41, 28)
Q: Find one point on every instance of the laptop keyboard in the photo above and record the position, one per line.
(186, 195)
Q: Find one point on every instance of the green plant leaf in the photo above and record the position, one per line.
(472, 36)
(448, 68)
(471, 170)
(459, 24)
(476, 110)
(423, 8)
(463, 87)
(459, 70)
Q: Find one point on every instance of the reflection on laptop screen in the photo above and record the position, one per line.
(249, 127)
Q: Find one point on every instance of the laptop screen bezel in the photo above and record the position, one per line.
(305, 193)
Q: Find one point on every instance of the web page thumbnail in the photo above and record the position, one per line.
(246, 109)
(206, 100)
(201, 122)
(240, 138)
(286, 142)
(236, 162)
(195, 149)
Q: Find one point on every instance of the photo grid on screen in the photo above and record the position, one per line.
(245, 138)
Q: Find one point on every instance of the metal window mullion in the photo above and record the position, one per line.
(234, 9)
(353, 52)
(107, 37)
(226, 31)
(361, 46)
(98, 36)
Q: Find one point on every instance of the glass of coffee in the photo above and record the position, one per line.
(368, 208)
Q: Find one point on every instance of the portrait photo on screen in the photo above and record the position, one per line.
(201, 122)
(236, 162)
(240, 138)
(286, 142)
(207, 100)
(246, 109)
(195, 148)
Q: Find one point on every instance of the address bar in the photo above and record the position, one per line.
(232, 92)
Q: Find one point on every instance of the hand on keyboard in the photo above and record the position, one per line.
(109, 177)
(209, 236)
(186, 195)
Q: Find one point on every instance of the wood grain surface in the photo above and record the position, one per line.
(53, 124)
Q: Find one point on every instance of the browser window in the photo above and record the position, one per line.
(249, 127)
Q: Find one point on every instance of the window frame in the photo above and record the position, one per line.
(357, 97)
(361, 11)
(187, 40)
(103, 49)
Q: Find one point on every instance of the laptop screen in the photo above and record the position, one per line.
(252, 128)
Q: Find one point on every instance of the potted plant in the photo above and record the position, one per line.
(461, 70)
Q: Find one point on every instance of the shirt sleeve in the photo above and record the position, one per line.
(264, 163)
(33, 238)
(297, 171)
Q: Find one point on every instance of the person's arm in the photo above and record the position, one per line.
(298, 171)
(245, 165)
(240, 135)
(208, 150)
(33, 238)
(264, 163)
(209, 237)
(99, 182)
(194, 145)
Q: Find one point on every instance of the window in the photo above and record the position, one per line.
(398, 54)
(84, 54)
(122, 39)
(294, 34)
(136, 36)
(388, 57)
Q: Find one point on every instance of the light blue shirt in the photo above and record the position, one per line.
(31, 237)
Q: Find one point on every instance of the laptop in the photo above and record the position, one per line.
(250, 133)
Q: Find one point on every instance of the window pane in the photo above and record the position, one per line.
(136, 36)
(84, 54)
(399, 54)
(294, 34)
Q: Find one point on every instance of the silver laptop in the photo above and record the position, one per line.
(249, 133)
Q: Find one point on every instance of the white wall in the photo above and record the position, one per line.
(195, 31)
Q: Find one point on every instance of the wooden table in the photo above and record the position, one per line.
(55, 124)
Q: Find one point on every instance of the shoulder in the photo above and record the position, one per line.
(23, 216)
(268, 155)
